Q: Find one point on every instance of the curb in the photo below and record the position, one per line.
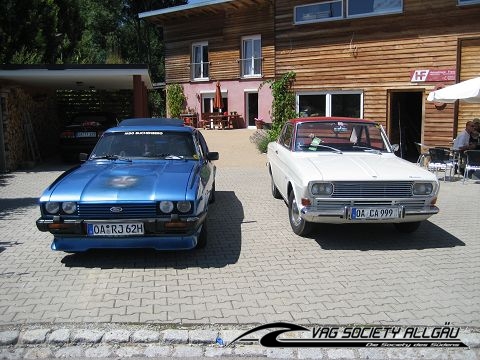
(111, 340)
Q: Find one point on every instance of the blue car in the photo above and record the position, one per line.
(147, 184)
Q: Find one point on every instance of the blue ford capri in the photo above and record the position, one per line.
(147, 184)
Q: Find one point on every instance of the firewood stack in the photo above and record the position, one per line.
(26, 130)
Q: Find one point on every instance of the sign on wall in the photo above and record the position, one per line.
(428, 75)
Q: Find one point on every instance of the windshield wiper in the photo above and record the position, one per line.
(367, 149)
(335, 150)
(111, 157)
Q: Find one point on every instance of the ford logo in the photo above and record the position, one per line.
(116, 209)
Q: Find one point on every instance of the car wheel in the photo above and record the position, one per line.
(211, 199)
(275, 193)
(202, 238)
(298, 224)
(408, 227)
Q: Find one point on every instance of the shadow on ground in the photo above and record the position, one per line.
(223, 246)
(366, 237)
(16, 206)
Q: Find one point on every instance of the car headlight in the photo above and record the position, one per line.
(69, 207)
(324, 189)
(52, 207)
(166, 207)
(184, 206)
(422, 188)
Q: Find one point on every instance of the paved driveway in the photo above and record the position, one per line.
(253, 270)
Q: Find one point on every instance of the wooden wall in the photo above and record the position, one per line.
(469, 59)
(376, 55)
(224, 32)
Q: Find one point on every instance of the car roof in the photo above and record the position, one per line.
(330, 119)
(150, 124)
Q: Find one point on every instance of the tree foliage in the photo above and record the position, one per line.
(82, 32)
(175, 100)
(283, 107)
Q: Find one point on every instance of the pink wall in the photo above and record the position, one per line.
(235, 91)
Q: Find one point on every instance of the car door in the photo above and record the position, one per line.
(207, 170)
(280, 159)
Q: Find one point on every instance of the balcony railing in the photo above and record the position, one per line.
(200, 71)
(251, 67)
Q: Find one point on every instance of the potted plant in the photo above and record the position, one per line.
(259, 123)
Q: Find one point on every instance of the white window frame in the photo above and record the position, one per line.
(345, 13)
(328, 99)
(204, 66)
(467, 2)
(374, 13)
(243, 61)
(314, 20)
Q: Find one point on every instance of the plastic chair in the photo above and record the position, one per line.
(472, 162)
(440, 161)
(423, 155)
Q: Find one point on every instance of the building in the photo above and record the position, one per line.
(376, 59)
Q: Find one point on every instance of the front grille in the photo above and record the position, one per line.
(373, 189)
(102, 211)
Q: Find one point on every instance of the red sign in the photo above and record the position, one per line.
(432, 75)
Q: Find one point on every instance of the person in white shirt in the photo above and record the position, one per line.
(462, 142)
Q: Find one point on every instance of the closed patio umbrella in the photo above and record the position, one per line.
(218, 101)
(468, 91)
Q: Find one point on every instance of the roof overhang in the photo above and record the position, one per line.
(209, 7)
(75, 77)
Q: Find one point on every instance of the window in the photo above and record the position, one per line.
(319, 12)
(468, 2)
(373, 7)
(286, 136)
(347, 104)
(333, 10)
(200, 64)
(251, 62)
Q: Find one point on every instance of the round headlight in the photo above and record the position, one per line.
(184, 206)
(322, 189)
(69, 207)
(166, 207)
(422, 188)
(52, 207)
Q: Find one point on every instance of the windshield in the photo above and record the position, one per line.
(145, 145)
(340, 136)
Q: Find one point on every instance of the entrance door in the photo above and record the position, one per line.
(251, 104)
(405, 127)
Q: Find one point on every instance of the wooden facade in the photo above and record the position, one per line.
(223, 32)
(377, 54)
(372, 55)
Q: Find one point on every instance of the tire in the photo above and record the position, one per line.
(202, 238)
(211, 199)
(298, 224)
(275, 193)
(408, 227)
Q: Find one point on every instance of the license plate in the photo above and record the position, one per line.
(115, 229)
(376, 213)
(82, 134)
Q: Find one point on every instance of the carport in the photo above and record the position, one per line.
(46, 80)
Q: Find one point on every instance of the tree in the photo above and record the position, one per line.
(44, 33)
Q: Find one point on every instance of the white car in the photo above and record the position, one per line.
(344, 170)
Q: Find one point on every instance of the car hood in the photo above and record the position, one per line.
(125, 181)
(359, 167)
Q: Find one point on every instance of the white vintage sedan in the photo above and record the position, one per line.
(344, 170)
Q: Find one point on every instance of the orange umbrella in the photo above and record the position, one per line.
(218, 101)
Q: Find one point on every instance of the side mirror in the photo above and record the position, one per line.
(213, 155)
(395, 147)
(83, 157)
